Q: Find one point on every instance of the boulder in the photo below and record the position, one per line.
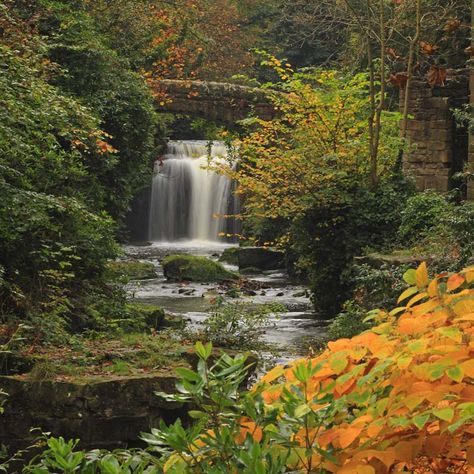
(199, 269)
(261, 258)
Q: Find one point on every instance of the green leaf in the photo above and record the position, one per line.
(421, 420)
(188, 374)
(445, 414)
(410, 276)
(302, 410)
(455, 373)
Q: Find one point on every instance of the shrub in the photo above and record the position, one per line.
(423, 212)
(237, 325)
(349, 322)
(376, 287)
(191, 268)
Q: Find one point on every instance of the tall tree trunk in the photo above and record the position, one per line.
(411, 62)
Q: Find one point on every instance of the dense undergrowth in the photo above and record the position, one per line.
(78, 134)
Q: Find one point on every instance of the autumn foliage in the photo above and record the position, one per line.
(397, 398)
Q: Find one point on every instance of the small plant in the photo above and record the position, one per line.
(45, 370)
(120, 367)
(237, 325)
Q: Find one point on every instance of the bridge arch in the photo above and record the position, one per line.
(214, 101)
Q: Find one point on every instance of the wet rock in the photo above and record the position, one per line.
(263, 293)
(261, 258)
(280, 294)
(250, 292)
(230, 255)
(300, 294)
(249, 271)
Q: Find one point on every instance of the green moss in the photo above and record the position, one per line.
(199, 269)
(131, 270)
(230, 255)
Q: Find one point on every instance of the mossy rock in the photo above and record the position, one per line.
(152, 316)
(199, 269)
(132, 270)
(230, 255)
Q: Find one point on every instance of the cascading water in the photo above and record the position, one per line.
(186, 198)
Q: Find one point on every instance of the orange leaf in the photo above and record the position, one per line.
(348, 435)
(455, 281)
(422, 275)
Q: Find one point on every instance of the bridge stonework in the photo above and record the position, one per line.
(438, 148)
(215, 101)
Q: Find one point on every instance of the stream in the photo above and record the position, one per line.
(291, 332)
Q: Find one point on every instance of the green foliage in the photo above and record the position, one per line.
(423, 212)
(237, 325)
(376, 285)
(103, 80)
(64, 457)
(192, 268)
(349, 322)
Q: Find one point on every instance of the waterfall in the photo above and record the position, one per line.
(186, 197)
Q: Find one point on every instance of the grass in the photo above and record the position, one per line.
(103, 356)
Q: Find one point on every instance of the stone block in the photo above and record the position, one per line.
(442, 156)
(439, 145)
(438, 182)
(441, 135)
(416, 125)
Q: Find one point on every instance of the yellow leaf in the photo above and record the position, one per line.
(407, 293)
(274, 374)
(422, 276)
(433, 288)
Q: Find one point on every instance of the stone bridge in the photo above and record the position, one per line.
(215, 101)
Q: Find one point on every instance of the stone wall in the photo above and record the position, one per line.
(102, 414)
(437, 148)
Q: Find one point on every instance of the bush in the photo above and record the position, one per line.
(349, 322)
(237, 325)
(376, 287)
(423, 212)
(198, 269)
